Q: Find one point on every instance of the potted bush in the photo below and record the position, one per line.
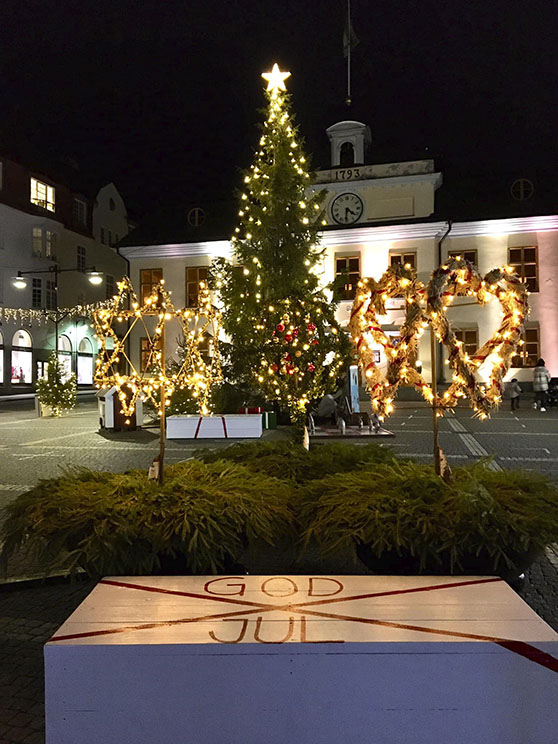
(56, 395)
(403, 518)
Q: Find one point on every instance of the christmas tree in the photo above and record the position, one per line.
(53, 391)
(285, 340)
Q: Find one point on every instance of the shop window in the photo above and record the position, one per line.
(22, 358)
(85, 362)
(347, 267)
(470, 256)
(65, 356)
(42, 195)
(525, 262)
(149, 281)
(529, 351)
(42, 370)
(469, 338)
(194, 275)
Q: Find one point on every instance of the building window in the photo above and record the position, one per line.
(347, 267)
(42, 195)
(470, 256)
(50, 295)
(44, 243)
(109, 284)
(194, 275)
(524, 261)
(81, 258)
(148, 363)
(85, 362)
(79, 212)
(22, 358)
(102, 234)
(65, 356)
(36, 293)
(149, 281)
(529, 351)
(469, 339)
(409, 260)
(346, 155)
(42, 370)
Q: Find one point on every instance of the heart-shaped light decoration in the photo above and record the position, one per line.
(460, 278)
(366, 330)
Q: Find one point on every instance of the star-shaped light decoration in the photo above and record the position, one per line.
(153, 380)
(275, 80)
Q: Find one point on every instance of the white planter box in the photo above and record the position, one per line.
(230, 426)
(318, 660)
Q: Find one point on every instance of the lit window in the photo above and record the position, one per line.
(81, 258)
(22, 357)
(44, 243)
(79, 212)
(469, 338)
(149, 281)
(347, 267)
(530, 351)
(524, 260)
(36, 293)
(109, 284)
(147, 358)
(194, 275)
(42, 195)
(470, 256)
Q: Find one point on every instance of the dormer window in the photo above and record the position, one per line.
(42, 195)
(79, 212)
(347, 155)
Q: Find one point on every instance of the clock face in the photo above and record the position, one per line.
(346, 208)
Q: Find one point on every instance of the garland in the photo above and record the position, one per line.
(427, 305)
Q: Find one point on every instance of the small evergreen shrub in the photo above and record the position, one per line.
(290, 461)
(112, 523)
(404, 508)
(53, 391)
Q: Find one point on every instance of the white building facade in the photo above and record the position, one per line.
(382, 214)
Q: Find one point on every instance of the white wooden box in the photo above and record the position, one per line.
(230, 426)
(315, 660)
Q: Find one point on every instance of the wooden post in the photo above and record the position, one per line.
(434, 383)
(162, 408)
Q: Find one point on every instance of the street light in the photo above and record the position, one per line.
(20, 282)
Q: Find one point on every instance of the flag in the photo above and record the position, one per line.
(350, 39)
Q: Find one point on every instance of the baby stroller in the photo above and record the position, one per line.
(552, 393)
(336, 410)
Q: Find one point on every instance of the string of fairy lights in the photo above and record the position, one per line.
(29, 316)
(427, 305)
(197, 372)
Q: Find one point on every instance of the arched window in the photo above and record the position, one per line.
(85, 362)
(65, 355)
(346, 155)
(22, 358)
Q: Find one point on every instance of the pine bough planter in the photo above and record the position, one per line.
(229, 426)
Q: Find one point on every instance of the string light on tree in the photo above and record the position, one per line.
(281, 322)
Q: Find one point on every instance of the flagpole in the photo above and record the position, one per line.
(348, 101)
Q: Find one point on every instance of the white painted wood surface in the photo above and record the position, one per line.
(357, 659)
(229, 426)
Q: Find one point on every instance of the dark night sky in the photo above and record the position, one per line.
(163, 96)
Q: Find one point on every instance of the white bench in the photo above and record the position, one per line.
(311, 660)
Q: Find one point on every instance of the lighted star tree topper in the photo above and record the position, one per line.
(286, 342)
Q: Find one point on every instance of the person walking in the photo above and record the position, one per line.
(541, 380)
(515, 392)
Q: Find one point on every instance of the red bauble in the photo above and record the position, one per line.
(295, 332)
(275, 367)
(311, 327)
(311, 367)
(287, 357)
(315, 342)
(288, 336)
(280, 327)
